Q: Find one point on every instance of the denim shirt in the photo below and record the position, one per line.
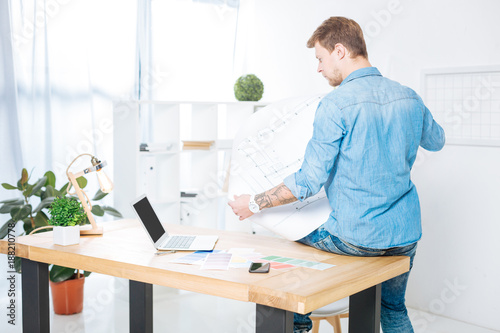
(365, 141)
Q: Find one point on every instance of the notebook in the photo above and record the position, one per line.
(161, 239)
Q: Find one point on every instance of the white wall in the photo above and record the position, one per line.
(456, 272)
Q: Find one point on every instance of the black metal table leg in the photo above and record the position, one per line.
(272, 320)
(141, 307)
(35, 290)
(364, 311)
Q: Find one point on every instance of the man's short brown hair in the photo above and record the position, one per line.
(341, 30)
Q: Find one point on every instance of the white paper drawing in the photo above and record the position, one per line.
(268, 148)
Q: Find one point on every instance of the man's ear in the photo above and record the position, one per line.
(340, 51)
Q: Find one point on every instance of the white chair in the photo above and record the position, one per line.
(332, 314)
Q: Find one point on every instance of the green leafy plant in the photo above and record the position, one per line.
(20, 210)
(66, 211)
(60, 273)
(248, 88)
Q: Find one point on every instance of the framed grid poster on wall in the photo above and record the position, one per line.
(465, 101)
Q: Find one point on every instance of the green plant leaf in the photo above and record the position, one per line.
(17, 264)
(97, 210)
(24, 177)
(43, 204)
(8, 201)
(82, 181)
(27, 225)
(7, 207)
(99, 195)
(5, 229)
(51, 179)
(50, 191)
(111, 211)
(19, 213)
(33, 189)
(9, 187)
(59, 273)
(28, 190)
(41, 220)
(62, 191)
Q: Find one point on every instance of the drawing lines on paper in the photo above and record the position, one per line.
(266, 168)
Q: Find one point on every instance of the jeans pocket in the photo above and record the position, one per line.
(328, 244)
(359, 251)
(320, 245)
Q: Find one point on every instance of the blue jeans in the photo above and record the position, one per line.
(393, 314)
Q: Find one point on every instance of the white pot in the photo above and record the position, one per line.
(67, 235)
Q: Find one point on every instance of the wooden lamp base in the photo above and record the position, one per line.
(97, 230)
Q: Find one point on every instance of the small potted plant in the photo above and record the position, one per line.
(248, 88)
(66, 216)
(33, 217)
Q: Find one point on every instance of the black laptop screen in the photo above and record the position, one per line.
(149, 218)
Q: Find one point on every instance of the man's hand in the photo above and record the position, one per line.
(240, 206)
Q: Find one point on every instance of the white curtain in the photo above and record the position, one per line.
(10, 145)
(65, 61)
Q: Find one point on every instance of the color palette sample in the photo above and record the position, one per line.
(290, 262)
(219, 261)
(242, 258)
(195, 258)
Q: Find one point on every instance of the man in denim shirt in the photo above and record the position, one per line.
(365, 141)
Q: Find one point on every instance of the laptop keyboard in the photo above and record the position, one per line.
(179, 242)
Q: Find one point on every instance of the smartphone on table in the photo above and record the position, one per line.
(259, 267)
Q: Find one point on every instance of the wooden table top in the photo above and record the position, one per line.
(125, 251)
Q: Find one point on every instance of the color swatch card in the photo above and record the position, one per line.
(296, 262)
(195, 258)
(279, 265)
(242, 257)
(219, 261)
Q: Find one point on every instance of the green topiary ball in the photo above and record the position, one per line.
(248, 88)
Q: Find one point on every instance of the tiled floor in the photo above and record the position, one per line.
(106, 310)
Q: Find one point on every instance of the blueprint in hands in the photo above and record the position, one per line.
(269, 147)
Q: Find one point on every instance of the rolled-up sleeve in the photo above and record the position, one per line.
(321, 152)
(433, 137)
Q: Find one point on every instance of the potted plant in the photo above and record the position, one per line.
(66, 287)
(20, 210)
(66, 216)
(248, 88)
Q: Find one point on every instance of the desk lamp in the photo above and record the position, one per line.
(104, 182)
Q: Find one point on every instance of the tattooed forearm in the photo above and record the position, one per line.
(263, 200)
(277, 196)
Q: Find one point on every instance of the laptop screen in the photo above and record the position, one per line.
(149, 218)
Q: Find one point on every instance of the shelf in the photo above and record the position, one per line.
(209, 127)
(229, 103)
(153, 153)
(220, 194)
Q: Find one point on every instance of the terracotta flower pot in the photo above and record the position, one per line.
(67, 296)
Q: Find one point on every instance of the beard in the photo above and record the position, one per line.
(336, 78)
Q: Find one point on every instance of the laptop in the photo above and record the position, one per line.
(161, 239)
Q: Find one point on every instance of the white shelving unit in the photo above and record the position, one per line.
(164, 174)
